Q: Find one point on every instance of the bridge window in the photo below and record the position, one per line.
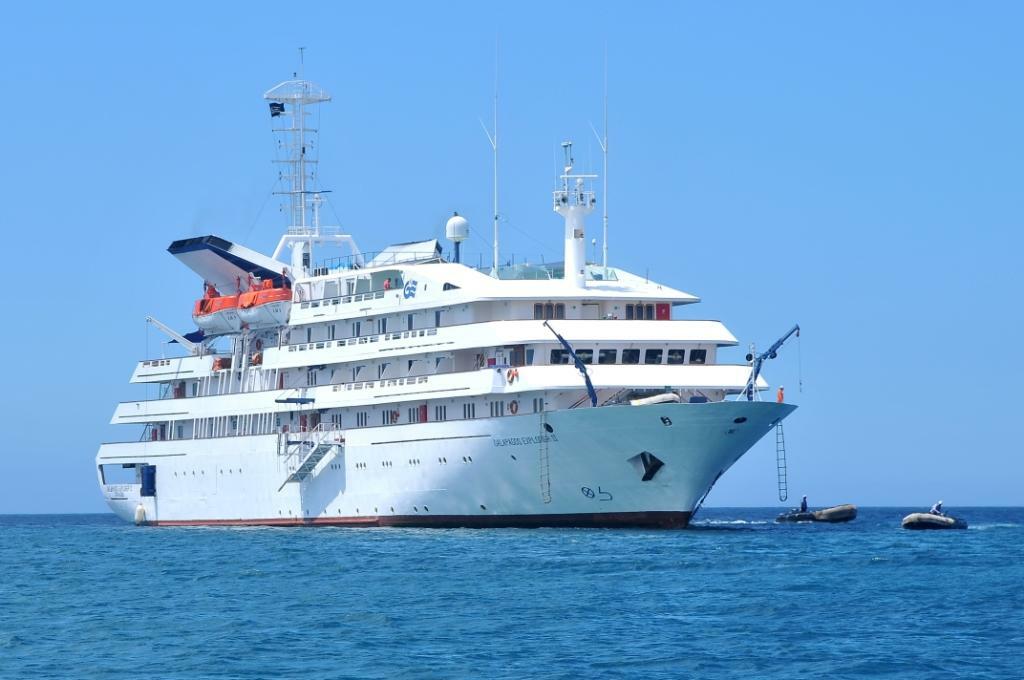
(559, 356)
(538, 311)
(631, 356)
(698, 356)
(652, 356)
(676, 356)
(585, 355)
(607, 356)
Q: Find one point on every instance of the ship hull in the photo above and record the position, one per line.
(617, 466)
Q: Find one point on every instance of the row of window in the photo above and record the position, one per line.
(549, 311)
(632, 356)
(382, 326)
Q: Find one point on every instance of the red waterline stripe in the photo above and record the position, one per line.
(610, 520)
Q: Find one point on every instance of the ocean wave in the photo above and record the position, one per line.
(994, 525)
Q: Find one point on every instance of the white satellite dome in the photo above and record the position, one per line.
(457, 228)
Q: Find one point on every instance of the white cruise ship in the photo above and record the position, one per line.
(404, 388)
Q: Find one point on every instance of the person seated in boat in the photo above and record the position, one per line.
(803, 504)
(937, 510)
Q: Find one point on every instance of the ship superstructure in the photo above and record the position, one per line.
(403, 388)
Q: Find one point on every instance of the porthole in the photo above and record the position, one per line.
(741, 419)
(471, 459)
(547, 426)
(415, 509)
(392, 509)
(483, 507)
(426, 509)
(513, 457)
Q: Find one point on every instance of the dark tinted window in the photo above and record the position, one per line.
(649, 312)
(652, 356)
(607, 356)
(559, 311)
(631, 356)
(559, 356)
(549, 311)
(629, 311)
(698, 356)
(585, 355)
(538, 311)
(676, 356)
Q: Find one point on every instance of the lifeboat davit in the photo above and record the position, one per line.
(217, 314)
(265, 306)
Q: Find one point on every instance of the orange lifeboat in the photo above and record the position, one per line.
(215, 313)
(264, 305)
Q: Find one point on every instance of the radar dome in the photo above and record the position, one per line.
(457, 228)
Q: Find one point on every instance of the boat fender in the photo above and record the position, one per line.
(140, 515)
(511, 375)
(513, 407)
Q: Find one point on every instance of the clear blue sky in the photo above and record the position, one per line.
(854, 167)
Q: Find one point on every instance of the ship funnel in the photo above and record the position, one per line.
(456, 230)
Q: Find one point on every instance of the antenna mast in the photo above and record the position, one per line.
(493, 139)
(603, 142)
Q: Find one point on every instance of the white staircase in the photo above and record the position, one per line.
(304, 451)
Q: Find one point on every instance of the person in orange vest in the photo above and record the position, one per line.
(780, 397)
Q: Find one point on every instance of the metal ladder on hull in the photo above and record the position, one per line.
(545, 462)
(780, 461)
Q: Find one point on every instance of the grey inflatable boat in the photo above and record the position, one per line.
(837, 513)
(926, 520)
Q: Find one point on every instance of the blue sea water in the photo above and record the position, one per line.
(86, 596)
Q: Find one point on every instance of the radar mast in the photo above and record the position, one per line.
(290, 102)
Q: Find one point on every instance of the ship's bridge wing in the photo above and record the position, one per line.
(225, 264)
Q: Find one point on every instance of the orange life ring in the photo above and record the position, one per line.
(513, 407)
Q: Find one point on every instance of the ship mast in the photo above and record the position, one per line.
(290, 102)
(574, 202)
